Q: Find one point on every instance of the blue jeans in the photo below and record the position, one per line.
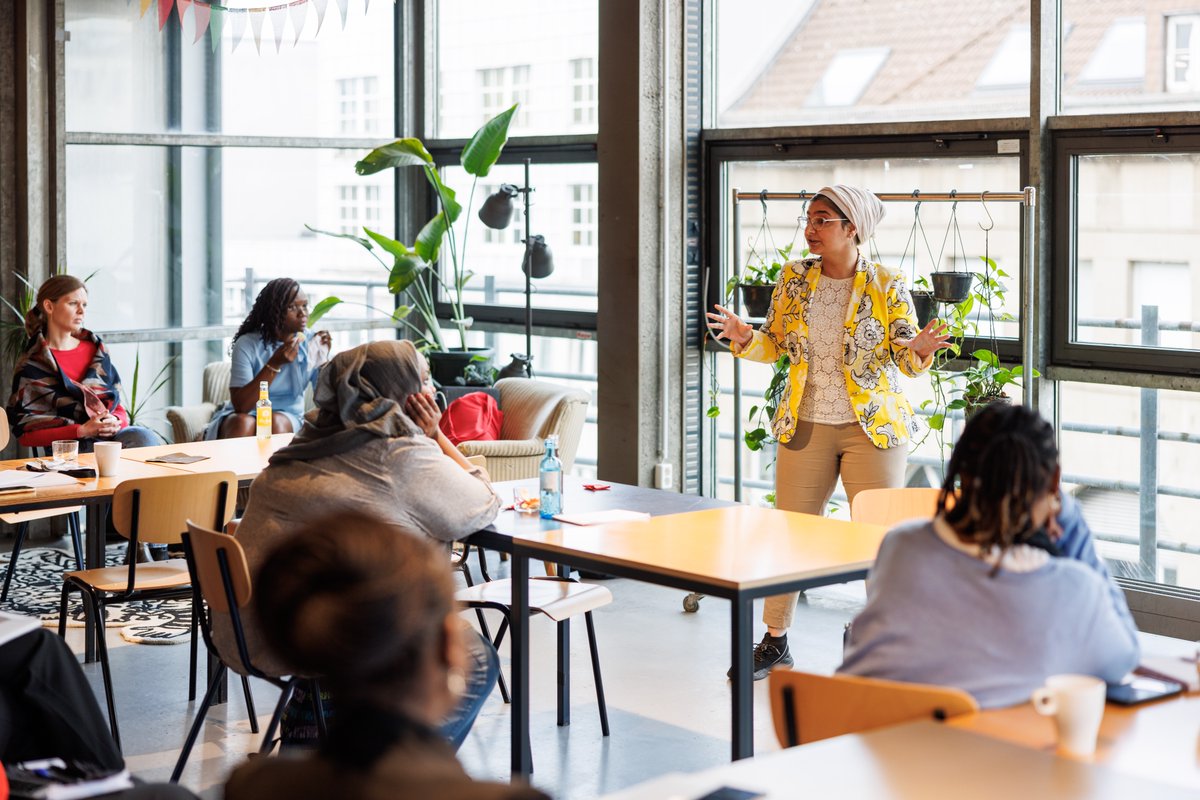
(483, 670)
(133, 436)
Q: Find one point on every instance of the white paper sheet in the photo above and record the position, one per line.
(10, 478)
(601, 517)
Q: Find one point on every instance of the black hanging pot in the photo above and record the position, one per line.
(951, 287)
(756, 298)
(924, 306)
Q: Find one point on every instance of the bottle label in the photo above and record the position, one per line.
(263, 417)
(551, 481)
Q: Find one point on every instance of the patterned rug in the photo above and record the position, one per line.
(37, 587)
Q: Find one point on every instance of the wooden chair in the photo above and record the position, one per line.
(221, 577)
(892, 506)
(154, 511)
(807, 708)
(557, 598)
(21, 520)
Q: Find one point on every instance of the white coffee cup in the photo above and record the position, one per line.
(108, 458)
(1077, 704)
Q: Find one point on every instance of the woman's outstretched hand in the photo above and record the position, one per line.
(933, 337)
(725, 324)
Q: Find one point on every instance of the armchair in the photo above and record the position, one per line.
(533, 410)
(188, 422)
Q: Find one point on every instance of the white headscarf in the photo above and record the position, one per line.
(862, 208)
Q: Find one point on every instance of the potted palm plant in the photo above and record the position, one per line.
(413, 268)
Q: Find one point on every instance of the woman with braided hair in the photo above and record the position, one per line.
(270, 346)
(988, 596)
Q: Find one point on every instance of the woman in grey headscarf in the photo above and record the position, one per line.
(847, 325)
(371, 446)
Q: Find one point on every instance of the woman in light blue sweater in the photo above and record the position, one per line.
(978, 598)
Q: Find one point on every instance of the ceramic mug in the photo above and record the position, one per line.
(1077, 704)
(108, 458)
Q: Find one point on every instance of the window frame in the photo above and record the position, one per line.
(1068, 146)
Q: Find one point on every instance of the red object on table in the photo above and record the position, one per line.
(596, 487)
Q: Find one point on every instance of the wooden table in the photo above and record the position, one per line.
(245, 457)
(924, 760)
(737, 552)
(1159, 740)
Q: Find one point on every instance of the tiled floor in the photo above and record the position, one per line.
(664, 673)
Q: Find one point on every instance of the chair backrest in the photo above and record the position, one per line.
(215, 384)
(808, 708)
(157, 510)
(892, 506)
(5, 433)
(535, 409)
(207, 549)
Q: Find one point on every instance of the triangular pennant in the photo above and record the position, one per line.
(342, 4)
(256, 22)
(200, 15)
(181, 6)
(239, 28)
(145, 6)
(299, 16)
(278, 20)
(164, 12)
(320, 4)
(215, 25)
(366, 6)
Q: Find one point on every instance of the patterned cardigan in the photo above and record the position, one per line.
(44, 397)
(880, 313)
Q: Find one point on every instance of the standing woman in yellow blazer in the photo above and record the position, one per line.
(848, 327)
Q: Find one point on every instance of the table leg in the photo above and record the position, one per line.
(564, 662)
(741, 627)
(518, 643)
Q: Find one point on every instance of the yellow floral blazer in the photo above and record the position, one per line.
(879, 314)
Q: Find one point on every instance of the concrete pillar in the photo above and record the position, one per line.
(638, 383)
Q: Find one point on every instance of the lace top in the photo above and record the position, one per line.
(826, 399)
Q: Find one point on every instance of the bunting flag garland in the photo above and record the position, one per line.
(210, 16)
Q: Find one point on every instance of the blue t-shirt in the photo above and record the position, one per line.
(250, 354)
(937, 615)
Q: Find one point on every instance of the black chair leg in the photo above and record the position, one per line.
(22, 530)
(591, 632)
(268, 743)
(102, 651)
(197, 723)
(500, 676)
(195, 624)
(319, 710)
(250, 705)
(62, 609)
(74, 527)
(483, 565)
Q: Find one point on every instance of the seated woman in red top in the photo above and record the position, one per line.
(64, 384)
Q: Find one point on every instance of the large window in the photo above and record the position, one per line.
(1129, 55)
(806, 62)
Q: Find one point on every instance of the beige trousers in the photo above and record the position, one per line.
(806, 471)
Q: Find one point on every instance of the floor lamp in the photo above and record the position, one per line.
(497, 213)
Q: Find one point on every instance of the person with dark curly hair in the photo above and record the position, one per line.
(368, 605)
(271, 345)
(990, 596)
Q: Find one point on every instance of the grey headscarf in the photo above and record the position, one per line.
(862, 208)
(359, 396)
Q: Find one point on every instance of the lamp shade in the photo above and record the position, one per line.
(497, 211)
(538, 261)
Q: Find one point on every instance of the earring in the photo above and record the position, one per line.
(456, 683)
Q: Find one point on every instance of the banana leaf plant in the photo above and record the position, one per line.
(414, 267)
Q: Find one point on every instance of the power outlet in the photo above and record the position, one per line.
(664, 476)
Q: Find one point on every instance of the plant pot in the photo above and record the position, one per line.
(446, 367)
(976, 403)
(756, 298)
(924, 306)
(951, 287)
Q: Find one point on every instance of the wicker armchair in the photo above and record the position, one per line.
(188, 422)
(533, 410)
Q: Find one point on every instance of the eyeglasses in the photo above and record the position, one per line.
(818, 223)
(299, 309)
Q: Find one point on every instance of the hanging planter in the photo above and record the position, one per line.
(756, 298)
(951, 287)
(924, 306)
